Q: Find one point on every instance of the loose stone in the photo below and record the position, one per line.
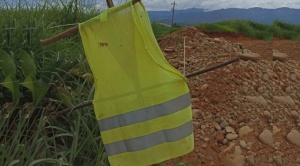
(243, 144)
(266, 137)
(294, 137)
(250, 160)
(231, 136)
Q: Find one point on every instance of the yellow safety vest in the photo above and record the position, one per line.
(141, 102)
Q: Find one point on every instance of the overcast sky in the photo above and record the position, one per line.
(219, 4)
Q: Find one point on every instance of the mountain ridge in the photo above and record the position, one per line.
(196, 15)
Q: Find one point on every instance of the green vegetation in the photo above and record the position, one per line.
(255, 30)
(38, 81)
(286, 31)
(247, 28)
(160, 30)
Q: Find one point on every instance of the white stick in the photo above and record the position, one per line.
(184, 56)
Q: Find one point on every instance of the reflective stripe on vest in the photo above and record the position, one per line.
(147, 141)
(145, 114)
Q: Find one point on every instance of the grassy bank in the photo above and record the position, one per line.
(256, 30)
(286, 31)
(248, 28)
(160, 29)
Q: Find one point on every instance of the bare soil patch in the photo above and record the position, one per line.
(246, 113)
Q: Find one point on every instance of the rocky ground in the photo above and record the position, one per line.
(246, 113)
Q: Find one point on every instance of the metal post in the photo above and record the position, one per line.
(173, 9)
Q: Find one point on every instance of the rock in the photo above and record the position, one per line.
(211, 163)
(209, 158)
(196, 124)
(237, 150)
(295, 114)
(277, 144)
(224, 124)
(183, 63)
(288, 89)
(241, 119)
(217, 126)
(220, 137)
(240, 45)
(279, 56)
(277, 160)
(243, 144)
(275, 130)
(250, 160)
(233, 123)
(285, 99)
(231, 136)
(260, 90)
(294, 137)
(169, 50)
(203, 127)
(257, 99)
(266, 96)
(293, 78)
(231, 156)
(298, 160)
(181, 164)
(266, 137)
(249, 56)
(267, 115)
(244, 130)
(270, 160)
(293, 96)
(203, 87)
(206, 139)
(204, 145)
(229, 129)
(249, 144)
(265, 77)
(195, 100)
(217, 40)
(237, 81)
(196, 113)
(225, 141)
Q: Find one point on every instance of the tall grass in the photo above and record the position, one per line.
(37, 81)
(256, 30)
(286, 31)
(160, 29)
(248, 28)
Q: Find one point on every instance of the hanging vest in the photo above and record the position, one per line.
(141, 102)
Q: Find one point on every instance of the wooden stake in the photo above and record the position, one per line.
(73, 30)
(90, 103)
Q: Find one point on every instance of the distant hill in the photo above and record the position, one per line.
(195, 15)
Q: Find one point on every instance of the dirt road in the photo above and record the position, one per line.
(246, 113)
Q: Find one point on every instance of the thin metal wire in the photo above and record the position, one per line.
(64, 25)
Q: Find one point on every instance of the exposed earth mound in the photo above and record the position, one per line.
(246, 113)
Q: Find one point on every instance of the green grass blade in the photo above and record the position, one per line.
(27, 64)
(7, 64)
(12, 84)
